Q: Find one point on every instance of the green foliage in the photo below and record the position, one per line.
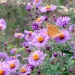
(15, 16)
(61, 2)
(52, 66)
(73, 19)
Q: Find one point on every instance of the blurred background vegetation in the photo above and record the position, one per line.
(15, 15)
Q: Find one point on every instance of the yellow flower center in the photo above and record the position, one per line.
(40, 39)
(23, 70)
(37, 0)
(0, 26)
(19, 34)
(61, 36)
(12, 65)
(47, 7)
(1, 72)
(38, 19)
(35, 56)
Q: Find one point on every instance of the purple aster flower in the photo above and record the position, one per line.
(2, 21)
(62, 21)
(29, 35)
(55, 54)
(14, 65)
(3, 56)
(35, 26)
(72, 28)
(29, 7)
(19, 35)
(62, 38)
(36, 58)
(53, 7)
(2, 24)
(40, 40)
(46, 18)
(48, 47)
(25, 44)
(70, 70)
(13, 50)
(27, 32)
(25, 70)
(4, 68)
(37, 2)
(16, 30)
(41, 19)
(47, 8)
(38, 72)
(28, 50)
(31, 66)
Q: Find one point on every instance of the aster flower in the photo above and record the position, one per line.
(13, 50)
(4, 56)
(4, 69)
(62, 21)
(2, 24)
(36, 58)
(37, 2)
(29, 7)
(55, 54)
(47, 8)
(72, 28)
(35, 26)
(14, 65)
(25, 70)
(41, 19)
(40, 40)
(27, 32)
(25, 44)
(19, 35)
(62, 38)
(29, 35)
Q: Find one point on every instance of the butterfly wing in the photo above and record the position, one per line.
(53, 31)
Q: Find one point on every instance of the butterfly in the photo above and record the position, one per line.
(53, 31)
